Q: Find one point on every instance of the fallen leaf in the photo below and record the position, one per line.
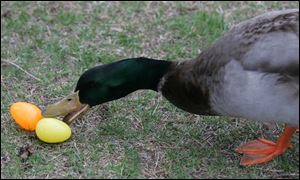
(26, 151)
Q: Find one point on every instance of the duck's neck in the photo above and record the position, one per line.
(142, 73)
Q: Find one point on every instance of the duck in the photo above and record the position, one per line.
(251, 72)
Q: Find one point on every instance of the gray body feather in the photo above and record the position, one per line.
(251, 72)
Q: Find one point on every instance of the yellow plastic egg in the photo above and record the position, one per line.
(51, 130)
(26, 115)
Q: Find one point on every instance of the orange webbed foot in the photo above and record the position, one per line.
(262, 150)
(258, 151)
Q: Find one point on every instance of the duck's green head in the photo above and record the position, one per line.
(109, 82)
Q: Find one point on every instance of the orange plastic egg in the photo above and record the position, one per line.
(26, 115)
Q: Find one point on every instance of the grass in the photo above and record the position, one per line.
(141, 135)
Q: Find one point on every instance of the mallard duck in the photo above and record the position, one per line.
(251, 72)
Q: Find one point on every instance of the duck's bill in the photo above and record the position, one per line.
(72, 116)
(70, 107)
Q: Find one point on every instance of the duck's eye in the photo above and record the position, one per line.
(69, 99)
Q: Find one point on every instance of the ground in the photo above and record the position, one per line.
(45, 46)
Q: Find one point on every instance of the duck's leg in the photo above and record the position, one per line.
(261, 150)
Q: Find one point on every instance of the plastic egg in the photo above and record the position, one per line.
(26, 115)
(51, 130)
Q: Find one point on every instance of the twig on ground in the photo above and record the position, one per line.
(17, 66)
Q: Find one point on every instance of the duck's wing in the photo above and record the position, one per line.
(268, 43)
(277, 49)
(261, 69)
